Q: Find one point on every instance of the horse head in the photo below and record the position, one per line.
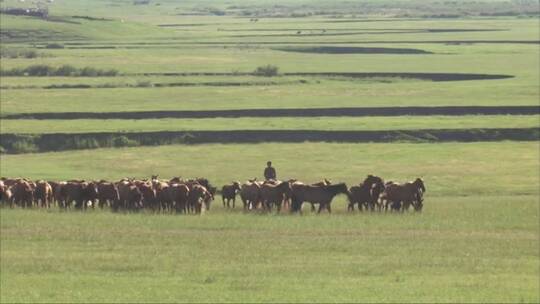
(372, 180)
(176, 179)
(340, 188)
(419, 184)
(285, 186)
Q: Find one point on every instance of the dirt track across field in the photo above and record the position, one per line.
(174, 42)
(356, 75)
(353, 50)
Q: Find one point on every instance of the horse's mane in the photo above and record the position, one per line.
(335, 188)
(419, 184)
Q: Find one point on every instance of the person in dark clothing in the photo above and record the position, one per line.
(269, 171)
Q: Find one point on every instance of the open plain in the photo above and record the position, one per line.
(107, 89)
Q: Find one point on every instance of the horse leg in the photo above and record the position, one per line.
(320, 208)
(397, 206)
(296, 206)
(406, 205)
(328, 207)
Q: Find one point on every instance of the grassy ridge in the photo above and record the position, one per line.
(284, 123)
(324, 94)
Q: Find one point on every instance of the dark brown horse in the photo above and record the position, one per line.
(149, 199)
(250, 193)
(130, 196)
(321, 195)
(107, 194)
(228, 193)
(366, 193)
(401, 196)
(80, 192)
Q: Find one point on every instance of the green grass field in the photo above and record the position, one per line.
(461, 249)
(340, 94)
(476, 241)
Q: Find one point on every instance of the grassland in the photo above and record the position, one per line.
(477, 239)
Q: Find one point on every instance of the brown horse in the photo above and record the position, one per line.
(321, 195)
(198, 198)
(149, 198)
(130, 196)
(401, 196)
(179, 194)
(23, 194)
(163, 197)
(5, 193)
(250, 193)
(43, 194)
(274, 194)
(324, 182)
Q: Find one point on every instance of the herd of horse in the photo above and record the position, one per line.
(195, 195)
